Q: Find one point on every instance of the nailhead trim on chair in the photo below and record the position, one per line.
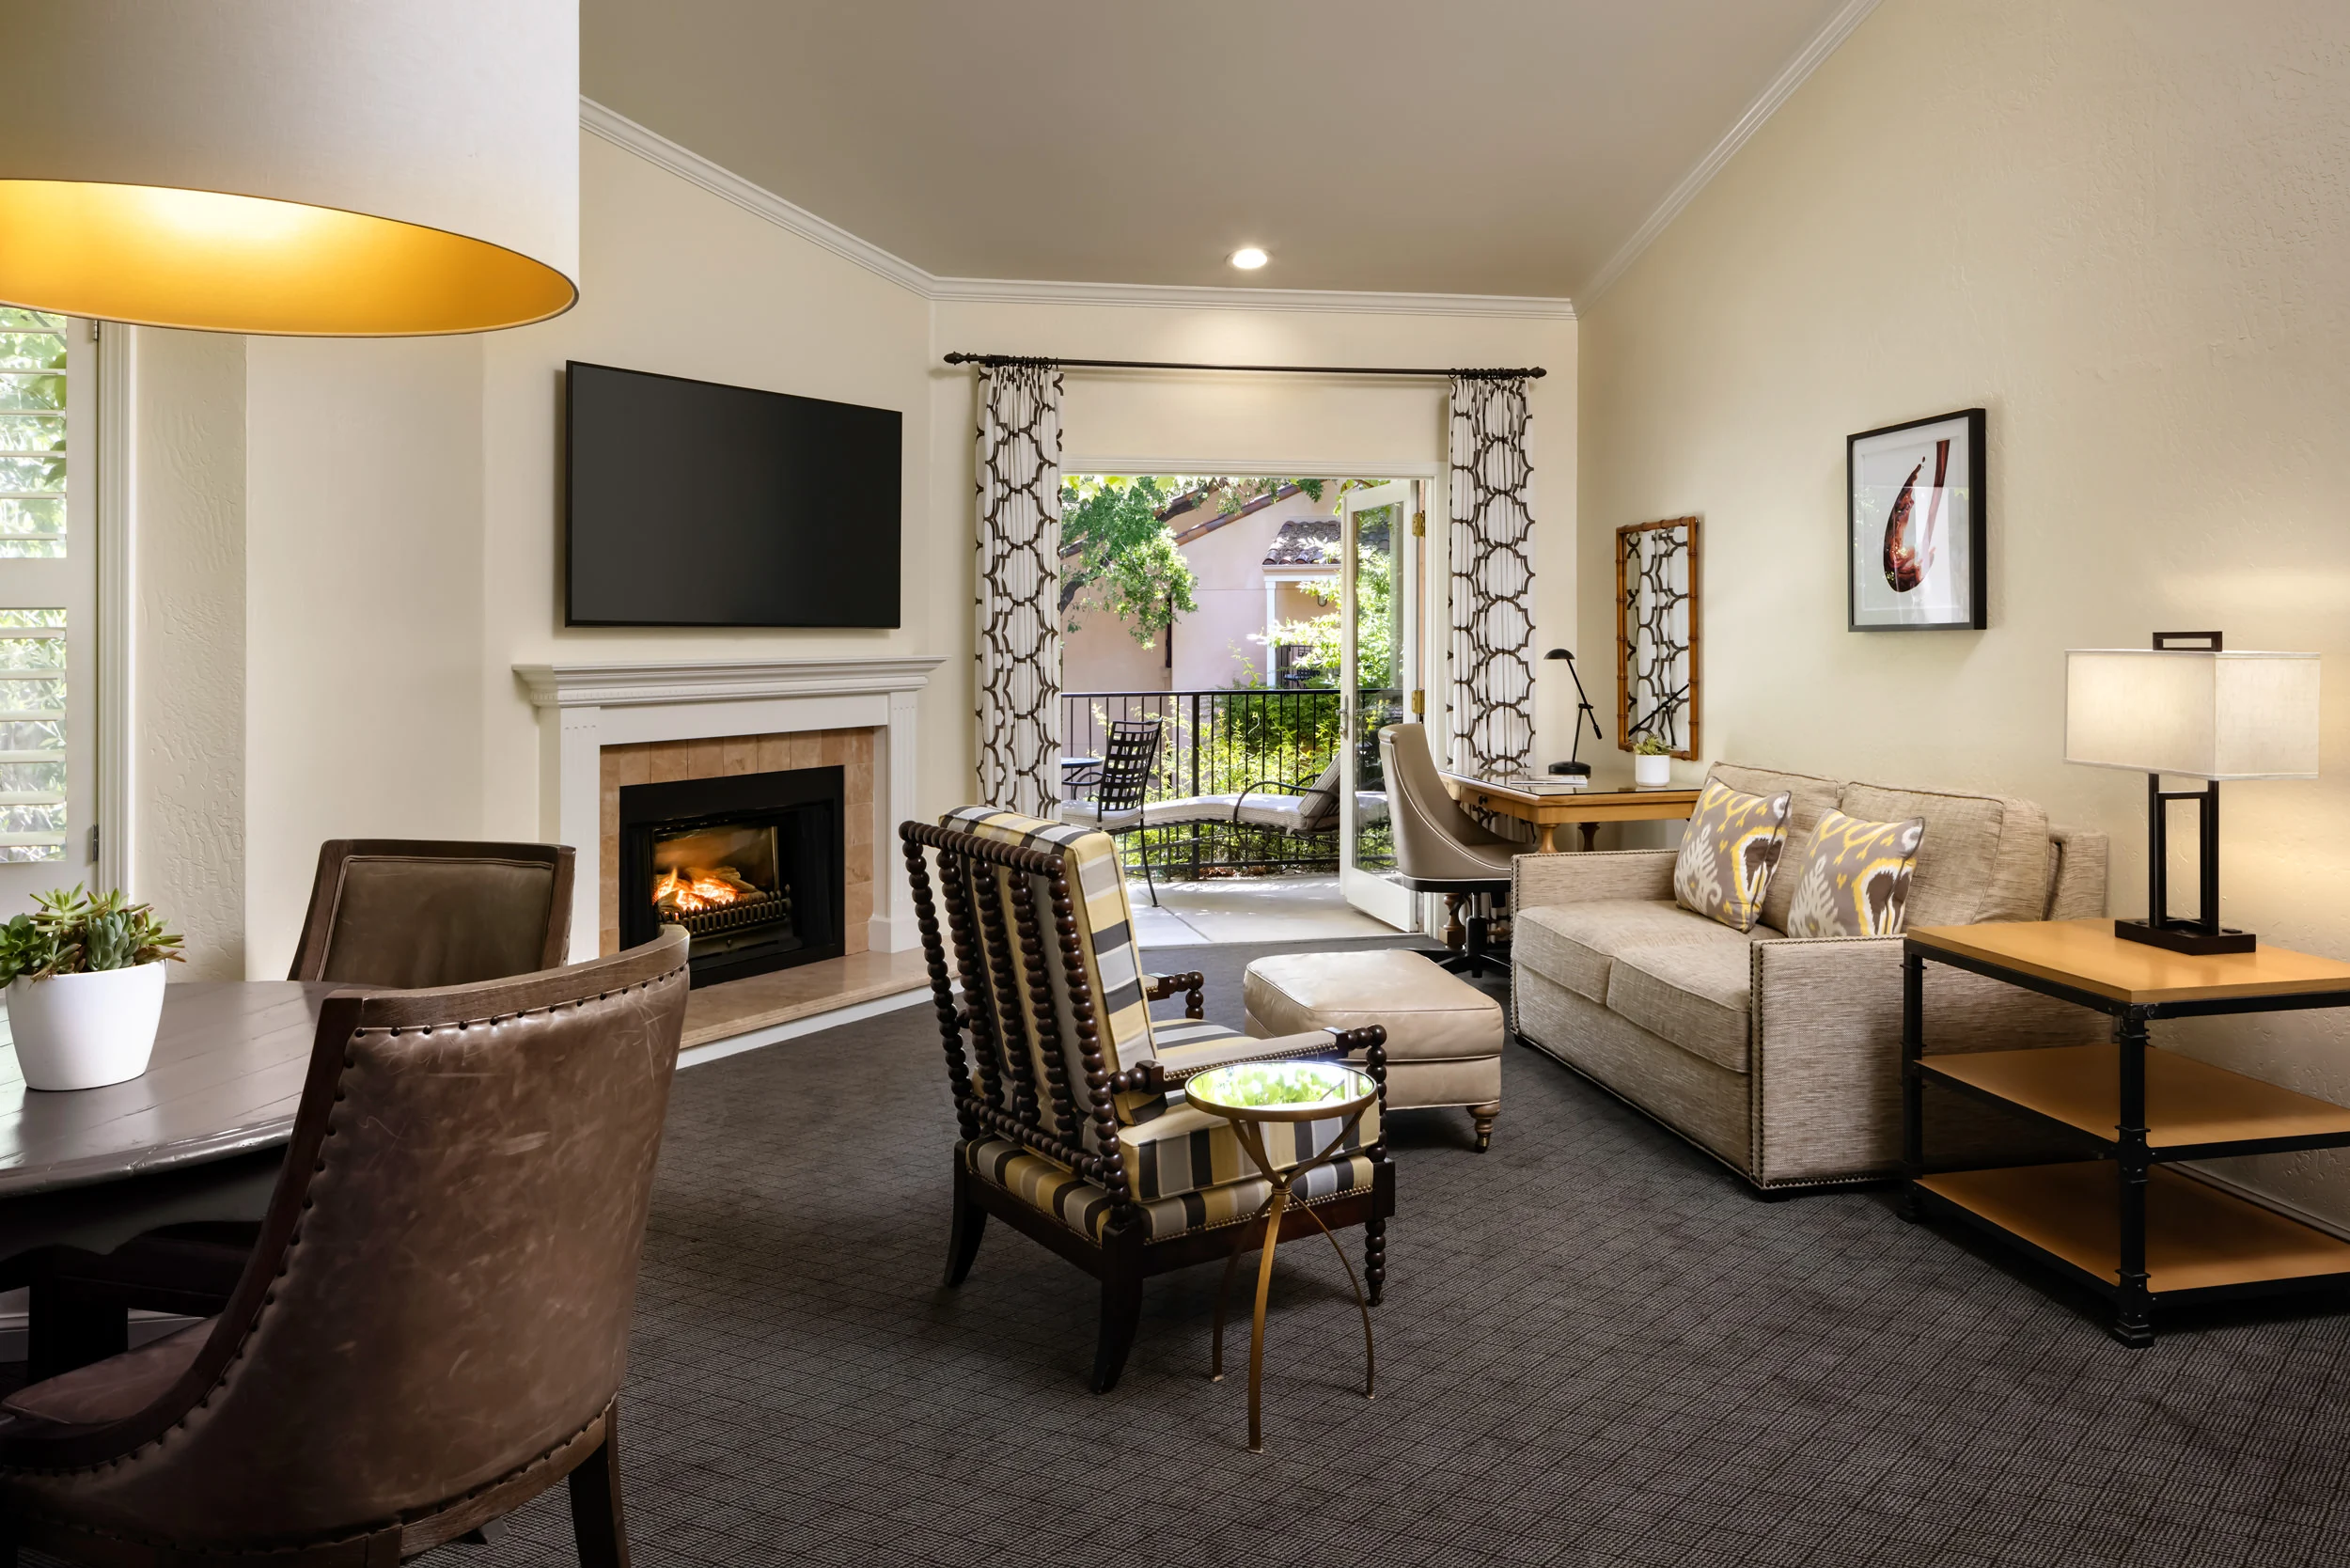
(294, 1243)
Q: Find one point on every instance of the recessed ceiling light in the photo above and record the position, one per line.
(1249, 259)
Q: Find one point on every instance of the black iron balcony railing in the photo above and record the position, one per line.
(1220, 743)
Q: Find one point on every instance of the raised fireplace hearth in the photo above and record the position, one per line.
(751, 865)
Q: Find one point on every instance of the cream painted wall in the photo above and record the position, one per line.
(363, 633)
(401, 509)
(190, 636)
(1187, 422)
(2124, 228)
(676, 280)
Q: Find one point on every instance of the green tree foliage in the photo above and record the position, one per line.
(1374, 603)
(1118, 555)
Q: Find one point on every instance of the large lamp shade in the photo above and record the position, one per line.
(2195, 713)
(348, 169)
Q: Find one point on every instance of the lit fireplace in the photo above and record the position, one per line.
(750, 864)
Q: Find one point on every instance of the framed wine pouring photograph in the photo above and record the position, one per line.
(1914, 524)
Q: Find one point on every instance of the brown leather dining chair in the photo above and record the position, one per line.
(384, 912)
(433, 1326)
(412, 912)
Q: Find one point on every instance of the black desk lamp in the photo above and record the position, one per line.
(1584, 712)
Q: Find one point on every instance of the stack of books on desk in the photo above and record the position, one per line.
(1548, 784)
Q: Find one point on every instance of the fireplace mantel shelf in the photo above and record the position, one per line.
(634, 684)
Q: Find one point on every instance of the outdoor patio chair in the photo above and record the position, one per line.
(1069, 1095)
(1120, 787)
(1290, 806)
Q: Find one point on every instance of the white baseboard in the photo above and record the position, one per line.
(775, 1034)
(2254, 1195)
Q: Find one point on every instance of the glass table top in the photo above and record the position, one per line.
(1282, 1089)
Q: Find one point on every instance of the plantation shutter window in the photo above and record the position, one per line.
(47, 592)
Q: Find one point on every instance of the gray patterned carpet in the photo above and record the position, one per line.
(1595, 1349)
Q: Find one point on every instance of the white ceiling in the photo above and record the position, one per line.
(1486, 147)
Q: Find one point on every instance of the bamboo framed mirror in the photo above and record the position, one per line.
(1658, 636)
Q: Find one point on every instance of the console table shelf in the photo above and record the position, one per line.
(2137, 1233)
(2198, 1238)
(2193, 1109)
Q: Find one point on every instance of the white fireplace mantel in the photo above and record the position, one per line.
(583, 708)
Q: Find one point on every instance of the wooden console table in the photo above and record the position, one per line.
(2117, 1221)
(1587, 808)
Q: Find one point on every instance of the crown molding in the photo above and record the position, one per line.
(687, 164)
(1782, 87)
(996, 290)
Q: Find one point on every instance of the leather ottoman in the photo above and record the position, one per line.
(1444, 1035)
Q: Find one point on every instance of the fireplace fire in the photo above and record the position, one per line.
(750, 864)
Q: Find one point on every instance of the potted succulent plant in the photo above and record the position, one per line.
(85, 978)
(1651, 760)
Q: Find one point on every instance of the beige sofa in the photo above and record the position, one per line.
(1782, 1056)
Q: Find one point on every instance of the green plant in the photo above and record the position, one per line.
(72, 932)
(1651, 744)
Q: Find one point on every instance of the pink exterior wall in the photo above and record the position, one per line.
(1215, 644)
(1101, 655)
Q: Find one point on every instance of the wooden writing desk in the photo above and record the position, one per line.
(1586, 809)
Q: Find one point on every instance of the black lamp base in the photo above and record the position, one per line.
(1572, 769)
(2186, 936)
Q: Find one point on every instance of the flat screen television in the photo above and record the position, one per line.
(691, 503)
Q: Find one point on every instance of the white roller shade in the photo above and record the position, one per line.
(2191, 712)
(339, 169)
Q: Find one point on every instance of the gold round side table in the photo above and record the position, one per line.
(1249, 1095)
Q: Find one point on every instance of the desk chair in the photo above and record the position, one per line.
(1440, 848)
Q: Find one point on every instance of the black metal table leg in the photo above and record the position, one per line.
(2133, 1314)
(1913, 1087)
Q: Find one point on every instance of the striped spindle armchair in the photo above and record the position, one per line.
(1068, 1095)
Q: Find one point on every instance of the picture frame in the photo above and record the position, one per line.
(1659, 633)
(1915, 510)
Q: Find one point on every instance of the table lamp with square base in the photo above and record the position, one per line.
(2199, 712)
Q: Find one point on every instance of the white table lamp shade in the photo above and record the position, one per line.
(352, 168)
(2194, 713)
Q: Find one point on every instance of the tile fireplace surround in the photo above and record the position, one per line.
(707, 718)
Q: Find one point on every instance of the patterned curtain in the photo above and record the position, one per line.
(1018, 690)
(1493, 575)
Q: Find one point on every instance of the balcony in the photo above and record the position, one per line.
(1227, 743)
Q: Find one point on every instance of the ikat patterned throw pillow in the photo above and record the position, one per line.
(1854, 878)
(1726, 853)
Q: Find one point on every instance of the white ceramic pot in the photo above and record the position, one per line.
(1650, 772)
(80, 1031)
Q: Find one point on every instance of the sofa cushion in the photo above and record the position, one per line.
(1728, 852)
(1573, 944)
(1429, 1014)
(1983, 858)
(1852, 878)
(1697, 996)
(1808, 799)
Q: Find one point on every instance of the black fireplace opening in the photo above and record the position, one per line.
(750, 864)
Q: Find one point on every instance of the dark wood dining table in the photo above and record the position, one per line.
(198, 1136)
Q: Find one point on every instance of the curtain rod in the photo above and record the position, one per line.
(993, 360)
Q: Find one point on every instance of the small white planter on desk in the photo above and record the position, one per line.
(1651, 773)
(83, 1031)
